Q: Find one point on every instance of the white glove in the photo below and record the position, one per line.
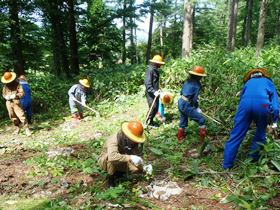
(13, 96)
(157, 93)
(274, 126)
(198, 110)
(148, 169)
(7, 98)
(136, 160)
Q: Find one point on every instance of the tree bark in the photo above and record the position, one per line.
(149, 45)
(58, 39)
(247, 23)
(123, 33)
(16, 42)
(260, 39)
(74, 60)
(232, 25)
(278, 28)
(132, 26)
(161, 39)
(187, 29)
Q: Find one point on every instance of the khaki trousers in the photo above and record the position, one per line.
(16, 113)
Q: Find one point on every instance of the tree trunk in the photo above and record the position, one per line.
(132, 26)
(260, 39)
(161, 39)
(187, 29)
(124, 34)
(278, 28)
(59, 42)
(149, 45)
(232, 25)
(247, 23)
(74, 60)
(16, 43)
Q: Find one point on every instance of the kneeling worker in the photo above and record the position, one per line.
(120, 152)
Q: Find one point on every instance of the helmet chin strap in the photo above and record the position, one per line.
(257, 74)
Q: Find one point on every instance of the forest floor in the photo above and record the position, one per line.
(58, 163)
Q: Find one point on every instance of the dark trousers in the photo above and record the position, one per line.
(150, 99)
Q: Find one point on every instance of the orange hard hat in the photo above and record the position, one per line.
(166, 98)
(157, 59)
(134, 130)
(198, 70)
(8, 77)
(263, 71)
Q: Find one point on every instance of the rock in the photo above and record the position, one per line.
(163, 190)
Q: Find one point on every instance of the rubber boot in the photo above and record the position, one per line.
(180, 135)
(17, 130)
(75, 116)
(27, 131)
(202, 133)
(111, 180)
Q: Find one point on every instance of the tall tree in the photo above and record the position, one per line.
(74, 60)
(187, 29)
(232, 25)
(278, 27)
(131, 35)
(262, 17)
(16, 42)
(149, 44)
(54, 14)
(123, 32)
(247, 22)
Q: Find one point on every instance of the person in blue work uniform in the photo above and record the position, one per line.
(188, 103)
(26, 100)
(165, 99)
(77, 98)
(152, 87)
(258, 103)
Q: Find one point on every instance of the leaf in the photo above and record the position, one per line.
(276, 164)
(156, 151)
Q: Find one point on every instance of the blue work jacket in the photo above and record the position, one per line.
(191, 90)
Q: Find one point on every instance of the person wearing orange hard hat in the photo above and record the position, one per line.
(12, 93)
(188, 103)
(166, 98)
(152, 87)
(77, 98)
(121, 153)
(258, 103)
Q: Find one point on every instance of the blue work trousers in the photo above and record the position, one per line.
(73, 105)
(26, 106)
(188, 111)
(249, 110)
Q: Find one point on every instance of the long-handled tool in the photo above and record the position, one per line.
(84, 105)
(211, 118)
(149, 112)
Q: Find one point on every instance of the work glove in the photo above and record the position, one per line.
(13, 96)
(156, 94)
(7, 98)
(274, 126)
(198, 110)
(136, 160)
(148, 169)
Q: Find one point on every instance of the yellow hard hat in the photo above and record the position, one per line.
(8, 77)
(134, 130)
(84, 82)
(166, 98)
(198, 71)
(252, 71)
(157, 59)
